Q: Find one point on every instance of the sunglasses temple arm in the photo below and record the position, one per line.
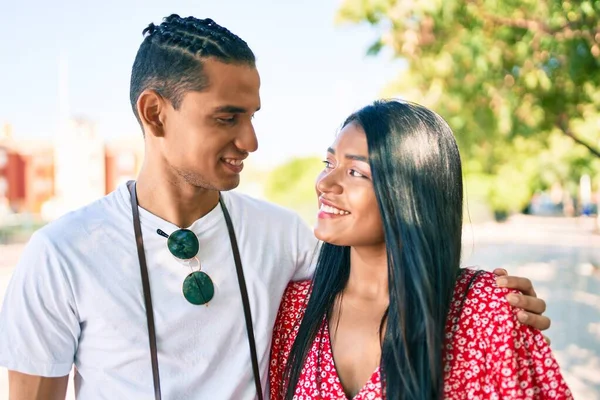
(161, 233)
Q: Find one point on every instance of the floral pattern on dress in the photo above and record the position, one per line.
(488, 353)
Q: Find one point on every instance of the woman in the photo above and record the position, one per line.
(389, 304)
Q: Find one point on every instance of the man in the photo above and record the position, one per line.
(76, 297)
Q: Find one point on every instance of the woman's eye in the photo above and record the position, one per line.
(355, 173)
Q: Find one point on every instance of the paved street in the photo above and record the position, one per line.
(561, 257)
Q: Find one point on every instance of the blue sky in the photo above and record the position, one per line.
(313, 72)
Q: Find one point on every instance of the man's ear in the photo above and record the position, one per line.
(151, 108)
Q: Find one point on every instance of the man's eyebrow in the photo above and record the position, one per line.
(233, 109)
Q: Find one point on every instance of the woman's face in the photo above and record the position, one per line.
(348, 211)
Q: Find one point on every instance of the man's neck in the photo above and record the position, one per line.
(171, 198)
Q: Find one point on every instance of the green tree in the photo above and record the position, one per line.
(292, 185)
(508, 76)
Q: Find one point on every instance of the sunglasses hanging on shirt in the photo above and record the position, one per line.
(183, 244)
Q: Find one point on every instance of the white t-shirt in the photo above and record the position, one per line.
(76, 298)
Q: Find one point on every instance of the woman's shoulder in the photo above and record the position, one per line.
(480, 286)
(476, 293)
(289, 318)
(489, 350)
(297, 292)
(294, 301)
(298, 288)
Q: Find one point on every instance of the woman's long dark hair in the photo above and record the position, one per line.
(417, 178)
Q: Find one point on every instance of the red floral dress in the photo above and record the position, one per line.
(488, 353)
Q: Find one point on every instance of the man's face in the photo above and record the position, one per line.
(208, 137)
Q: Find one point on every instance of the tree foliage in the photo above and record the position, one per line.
(510, 77)
(292, 185)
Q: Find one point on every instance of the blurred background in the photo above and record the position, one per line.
(518, 81)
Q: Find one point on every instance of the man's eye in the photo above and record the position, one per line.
(226, 120)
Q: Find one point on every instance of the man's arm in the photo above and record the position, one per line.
(39, 324)
(30, 387)
(532, 306)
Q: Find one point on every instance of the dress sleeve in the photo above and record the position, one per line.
(286, 327)
(522, 362)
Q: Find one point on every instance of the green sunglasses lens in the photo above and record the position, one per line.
(183, 244)
(198, 288)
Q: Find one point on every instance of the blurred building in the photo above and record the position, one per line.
(51, 177)
(79, 176)
(48, 178)
(26, 173)
(123, 160)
